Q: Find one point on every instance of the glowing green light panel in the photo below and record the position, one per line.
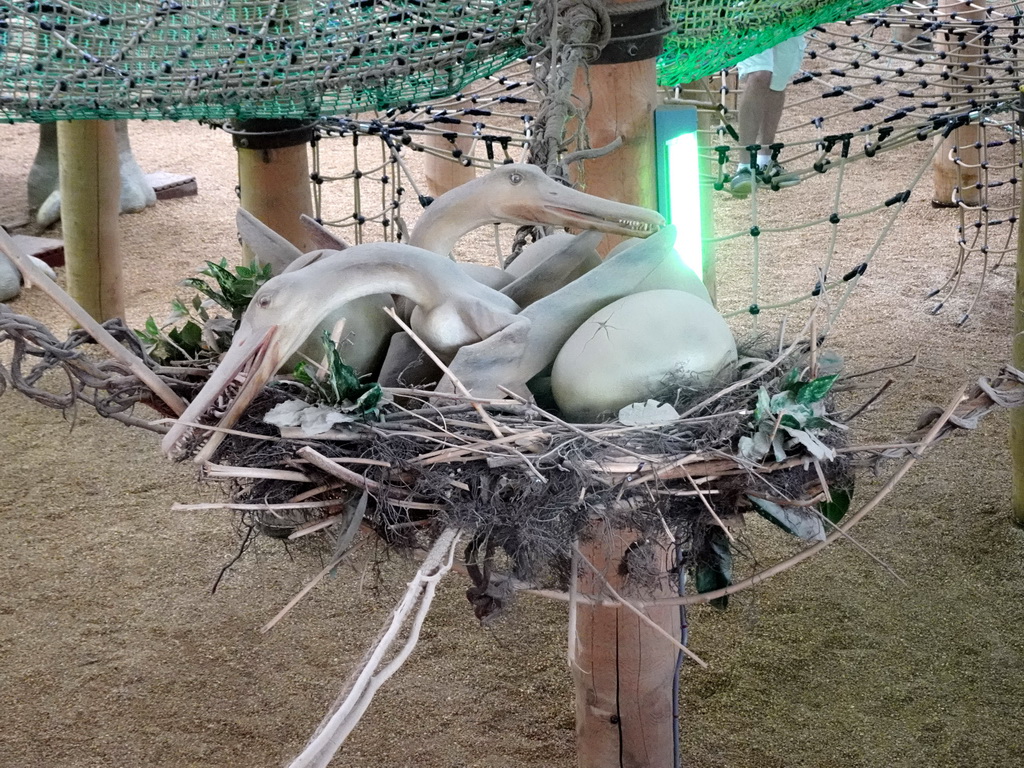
(678, 174)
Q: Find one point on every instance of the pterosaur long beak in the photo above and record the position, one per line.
(251, 361)
(566, 207)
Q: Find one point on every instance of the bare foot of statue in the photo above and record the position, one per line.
(44, 177)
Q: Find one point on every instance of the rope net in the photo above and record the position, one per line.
(194, 59)
(916, 83)
(709, 36)
(217, 59)
(898, 90)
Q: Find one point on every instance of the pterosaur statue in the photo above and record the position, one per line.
(491, 338)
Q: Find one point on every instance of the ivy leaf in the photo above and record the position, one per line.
(370, 399)
(791, 383)
(788, 420)
(813, 391)
(714, 566)
(813, 445)
(764, 405)
(189, 338)
(782, 401)
(836, 509)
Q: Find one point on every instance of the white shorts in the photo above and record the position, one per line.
(782, 60)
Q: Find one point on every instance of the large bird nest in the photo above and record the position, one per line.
(521, 484)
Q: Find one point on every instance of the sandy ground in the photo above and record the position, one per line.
(114, 652)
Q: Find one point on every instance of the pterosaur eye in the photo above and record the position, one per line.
(515, 178)
(264, 301)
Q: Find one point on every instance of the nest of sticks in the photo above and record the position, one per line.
(521, 485)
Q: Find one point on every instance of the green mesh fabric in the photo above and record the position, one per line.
(710, 35)
(215, 59)
(224, 59)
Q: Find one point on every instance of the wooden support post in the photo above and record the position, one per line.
(1017, 414)
(624, 668)
(90, 190)
(273, 175)
(444, 173)
(623, 100)
(964, 142)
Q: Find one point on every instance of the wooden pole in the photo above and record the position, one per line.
(273, 176)
(623, 670)
(90, 191)
(444, 172)
(1017, 414)
(964, 142)
(623, 100)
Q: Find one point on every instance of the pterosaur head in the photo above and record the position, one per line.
(523, 194)
(279, 319)
(289, 308)
(532, 197)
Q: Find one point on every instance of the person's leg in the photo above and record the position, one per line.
(756, 100)
(771, 114)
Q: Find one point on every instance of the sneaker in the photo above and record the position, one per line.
(775, 176)
(741, 182)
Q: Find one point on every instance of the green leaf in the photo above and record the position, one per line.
(791, 382)
(813, 445)
(370, 399)
(788, 420)
(781, 402)
(206, 290)
(764, 405)
(836, 509)
(714, 566)
(189, 338)
(815, 390)
(303, 375)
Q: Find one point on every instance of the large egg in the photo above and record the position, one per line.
(635, 347)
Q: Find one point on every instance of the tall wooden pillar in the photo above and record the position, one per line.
(273, 175)
(624, 97)
(624, 670)
(90, 191)
(963, 142)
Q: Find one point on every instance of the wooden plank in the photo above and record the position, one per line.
(170, 186)
(45, 249)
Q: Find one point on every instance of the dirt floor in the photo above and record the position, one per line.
(114, 652)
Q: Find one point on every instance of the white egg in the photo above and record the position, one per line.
(637, 345)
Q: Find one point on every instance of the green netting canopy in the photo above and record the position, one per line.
(218, 59)
(215, 59)
(711, 35)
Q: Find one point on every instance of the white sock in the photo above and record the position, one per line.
(763, 160)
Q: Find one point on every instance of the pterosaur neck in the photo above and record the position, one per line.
(449, 217)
